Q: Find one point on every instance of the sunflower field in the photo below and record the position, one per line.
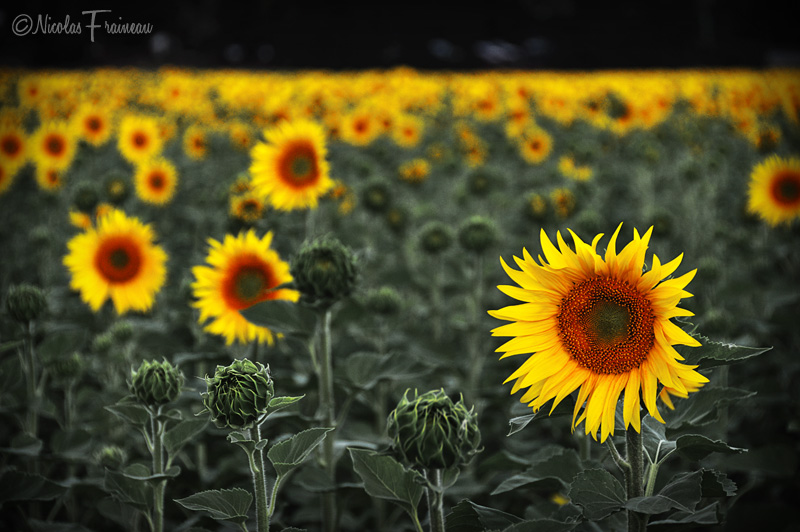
(399, 300)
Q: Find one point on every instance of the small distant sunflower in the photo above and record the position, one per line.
(774, 192)
(117, 260)
(598, 325)
(407, 130)
(13, 148)
(242, 271)
(360, 127)
(563, 201)
(247, 207)
(291, 169)
(93, 124)
(139, 138)
(415, 171)
(535, 146)
(155, 181)
(49, 178)
(195, 142)
(53, 146)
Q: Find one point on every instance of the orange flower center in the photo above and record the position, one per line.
(157, 180)
(249, 281)
(360, 126)
(54, 144)
(94, 124)
(298, 165)
(11, 145)
(606, 325)
(52, 177)
(139, 139)
(786, 188)
(118, 259)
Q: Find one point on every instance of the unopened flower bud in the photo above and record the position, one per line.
(324, 272)
(477, 234)
(238, 395)
(436, 237)
(25, 302)
(156, 383)
(384, 301)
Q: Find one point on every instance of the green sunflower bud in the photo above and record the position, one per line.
(64, 369)
(435, 237)
(238, 395)
(111, 457)
(432, 432)
(397, 219)
(102, 343)
(25, 302)
(477, 234)
(117, 189)
(121, 331)
(324, 272)
(85, 197)
(384, 301)
(376, 196)
(156, 383)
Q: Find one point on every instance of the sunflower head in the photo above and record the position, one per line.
(477, 234)
(156, 383)
(774, 192)
(25, 302)
(430, 431)
(384, 301)
(64, 369)
(238, 395)
(111, 457)
(117, 188)
(435, 237)
(324, 272)
(85, 197)
(598, 325)
(376, 196)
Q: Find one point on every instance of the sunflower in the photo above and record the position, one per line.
(13, 148)
(535, 145)
(49, 178)
(291, 170)
(774, 192)
(598, 324)
(139, 138)
(117, 260)
(360, 127)
(155, 181)
(415, 171)
(195, 143)
(247, 207)
(93, 124)
(242, 271)
(407, 130)
(53, 145)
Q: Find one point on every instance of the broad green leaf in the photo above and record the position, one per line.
(179, 435)
(711, 354)
(24, 444)
(131, 412)
(702, 407)
(466, 516)
(681, 493)
(58, 344)
(289, 454)
(7, 346)
(276, 404)
(314, 479)
(598, 493)
(717, 484)
(142, 472)
(564, 408)
(135, 493)
(281, 316)
(708, 515)
(223, 505)
(541, 525)
(654, 438)
(74, 445)
(365, 369)
(19, 486)
(697, 447)
(561, 467)
(385, 478)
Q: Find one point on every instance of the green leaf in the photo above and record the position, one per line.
(683, 492)
(654, 438)
(697, 447)
(135, 493)
(24, 444)
(54, 526)
(466, 516)
(313, 479)
(58, 344)
(564, 408)
(130, 412)
(19, 486)
(6, 346)
(293, 529)
(281, 316)
(702, 407)
(711, 354)
(385, 478)
(709, 515)
(561, 467)
(276, 404)
(142, 472)
(223, 505)
(717, 484)
(179, 435)
(365, 369)
(541, 525)
(598, 493)
(288, 454)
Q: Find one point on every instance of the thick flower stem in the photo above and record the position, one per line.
(260, 489)
(634, 478)
(475, 359)
(33, 392)
(328, 411)
(157, 431)
(435, 493)
(436, 299)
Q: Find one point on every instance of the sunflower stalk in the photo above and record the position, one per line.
(328, 419)
(259, 485)
(436, 298)
(634, 477)
(157, 431)
(475, 358)
(32, 424)
(435, 495)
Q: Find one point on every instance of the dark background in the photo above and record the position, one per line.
(527, 34)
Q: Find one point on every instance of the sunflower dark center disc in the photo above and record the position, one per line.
(55, 145)
(157, 181)
(139, 139)
(118, 260)
(298, 166)
(606, 325)
(248, 283)
(786, 188)
(10, 146)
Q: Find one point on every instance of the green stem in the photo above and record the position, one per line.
(328, 412)
(584, 447)
(157, 430)
(436, 299)
(435, 494)
(33, 392)
(475, 358)
(652, 473)
(634, 477)
(260, 488)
